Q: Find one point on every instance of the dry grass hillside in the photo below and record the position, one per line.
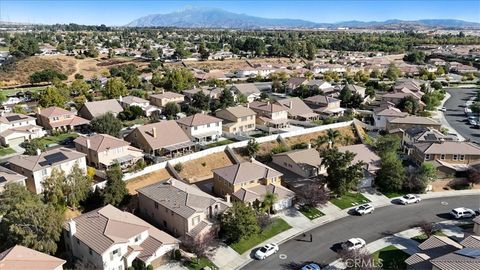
(231, 65)
(201, 169)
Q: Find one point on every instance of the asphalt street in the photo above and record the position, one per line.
(383, 222)
(455, 114)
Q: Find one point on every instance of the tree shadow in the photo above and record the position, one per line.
(445, 216)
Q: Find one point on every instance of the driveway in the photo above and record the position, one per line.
(383, 222)
(455, 114)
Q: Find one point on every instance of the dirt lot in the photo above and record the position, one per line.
(201, 169)
(146, 180)
(231, 64)
(442, 185)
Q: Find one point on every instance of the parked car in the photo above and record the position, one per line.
(462, 212)
(409, 198)
(472, 122)
(311, 266)
(354, 244)
(266, 251)
(365, 209)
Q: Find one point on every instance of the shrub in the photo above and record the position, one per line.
(280, 148)
(178, 167)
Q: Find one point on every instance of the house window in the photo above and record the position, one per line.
(156, 205)
(455, 157)
(462, 157)
(427, 157)
(442, 156)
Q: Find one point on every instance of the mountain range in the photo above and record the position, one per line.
(218, 18)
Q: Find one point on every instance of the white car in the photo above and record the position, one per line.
(409, 198)
(266, 251)
(364, 209)
(354, 244)
(311, 266)
(462, 212)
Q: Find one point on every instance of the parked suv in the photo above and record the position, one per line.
(462, 212)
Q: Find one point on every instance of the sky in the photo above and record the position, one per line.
(117, 13)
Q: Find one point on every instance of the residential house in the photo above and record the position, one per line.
(37, 168)
(383, 114)
(60, 120)
(356, 89)
(8, 177)
(20, 257)
(144, 104)
(16, 128)
(295, 82)
(108, 238)
(423, 134)
(249, 90)
(201, 127)
(270, 114)
(93, 109)
(396, 97)
(181, 209)
(368, 157)
(454, 155)
(160, 100)
(207, 92)
(320, 85)
(325, 105)
(161, 138)
(237, 120)
(303, 162)
(412, 121)
(460, 68)
(297, 109)
(103, 151)
(412, 85)
(249, 182)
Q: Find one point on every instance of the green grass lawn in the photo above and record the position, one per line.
(394, 194)
(6, 151)
(349, 200)
(391, 258)
(202, 262)
(422, 237)
(278, 225)
(13, 91)
(310, 212)
(219, 143)
(48, 140)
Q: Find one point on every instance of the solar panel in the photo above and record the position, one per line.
(53, 158)
(469, 252)
(14, 118)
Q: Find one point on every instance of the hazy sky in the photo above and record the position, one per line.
(122, 12)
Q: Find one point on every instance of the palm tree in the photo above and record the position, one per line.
(319, 141)
(268, 201)
(332, 135)
(347, 140)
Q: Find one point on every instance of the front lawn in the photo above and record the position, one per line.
(349, 200)
(6, 151)
(390, 258)
(394, 194)
(310, 212)
(466, 226)
(57, 139)
(202, 262)
(277, 226)
(422, 237)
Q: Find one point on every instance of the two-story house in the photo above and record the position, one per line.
(453, 152)
(306, 163)
(37, 168)
(161, 138)
(201, 127)
(237, 120)
(108, 238)
(144, 104)
(16, 128)
(249, 90)
(58, 119)
(93, 109)
(297, 109)
(181, 209)
(160, 100)
(249, 182)
(270, 114)
(325, 105)
(412, 121)
(383, 114)
(103, 151)
(20, 257)
(423, 134)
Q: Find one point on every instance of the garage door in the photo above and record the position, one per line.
(16, 141)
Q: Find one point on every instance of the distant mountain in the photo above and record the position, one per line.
(218, 18)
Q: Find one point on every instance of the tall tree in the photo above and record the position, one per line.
(252, 147)
(107, 124)
(52, 96)
(342, 175)
(227, 99)
(76, 187)
(200, 101)
(115, 189)
(391, 175)
(269, 199)
(238, 222)
(177, 80)
(53, 187)
(171, 110)
(114, 88)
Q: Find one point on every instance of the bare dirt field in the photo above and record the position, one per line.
(232, 64)
(146, 180)
(442, 185)
(201, 169)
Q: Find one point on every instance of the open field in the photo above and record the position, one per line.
(201, 169)
(232, 64)
(146, 180)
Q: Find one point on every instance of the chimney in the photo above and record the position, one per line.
(309, 145)
(290, 104)
(154, 132)
(248, 105)
(163, 91)
(72, 227)
(227, 198)
(252, 159)
(39, 152)
(88, 143)
(39, 110)
(120, 99)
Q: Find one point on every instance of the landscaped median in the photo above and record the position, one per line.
(277, 226)
(349, 200)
